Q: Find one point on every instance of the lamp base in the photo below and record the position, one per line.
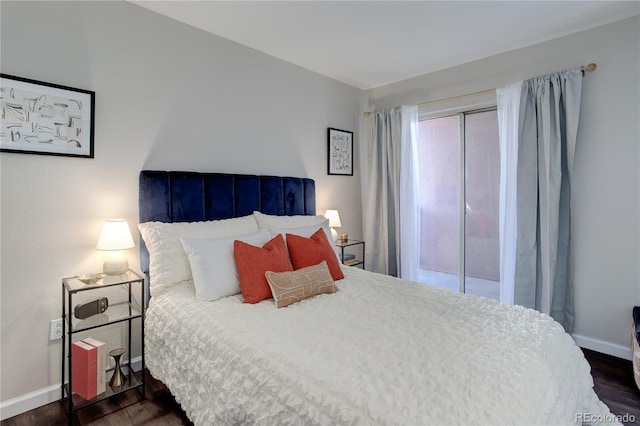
(115, 263)
(334, 235)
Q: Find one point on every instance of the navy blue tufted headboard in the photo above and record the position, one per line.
(189, 196)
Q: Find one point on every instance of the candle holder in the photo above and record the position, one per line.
(344, 237)
(118, 379)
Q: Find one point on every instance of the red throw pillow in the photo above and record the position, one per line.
(252, 262)
(311, 251)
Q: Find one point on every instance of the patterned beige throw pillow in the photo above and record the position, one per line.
(292, 287)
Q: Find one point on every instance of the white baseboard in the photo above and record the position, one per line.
(38, 398)
(29, 401)
(612, 349)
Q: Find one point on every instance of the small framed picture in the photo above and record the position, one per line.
(45, 118)
(340, 154)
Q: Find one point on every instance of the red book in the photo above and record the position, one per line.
(84, 369)
(101, 363)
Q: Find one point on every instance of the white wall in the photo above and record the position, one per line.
(169, 97)
(607, 183)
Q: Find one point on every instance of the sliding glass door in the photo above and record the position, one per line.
(459, 171)
(439, 175)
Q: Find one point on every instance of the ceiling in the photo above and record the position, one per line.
(368, 44)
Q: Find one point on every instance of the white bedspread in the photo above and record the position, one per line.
(379, 351)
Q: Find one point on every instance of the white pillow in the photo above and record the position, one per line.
(303, 231)
(168, 263)
(306, 231)
(213, 264)
(271, 221)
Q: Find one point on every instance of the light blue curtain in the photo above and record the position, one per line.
(549, 111)
(391, 208)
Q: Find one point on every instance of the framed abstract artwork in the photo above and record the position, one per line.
(340, 155)
(44, 118)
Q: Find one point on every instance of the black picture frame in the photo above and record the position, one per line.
(46, 118)
(339, 152)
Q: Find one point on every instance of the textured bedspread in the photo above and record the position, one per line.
(379, 351)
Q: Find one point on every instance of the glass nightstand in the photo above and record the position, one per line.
(122, 308)
(350, 259)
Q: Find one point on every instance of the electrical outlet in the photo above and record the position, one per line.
(55, 329)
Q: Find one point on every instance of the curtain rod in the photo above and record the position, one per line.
(584, 68)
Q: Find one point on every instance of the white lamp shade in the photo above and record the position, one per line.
(334, 218)
(115, 235)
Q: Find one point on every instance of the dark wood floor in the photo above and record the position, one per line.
(159, 408)
(613, 382)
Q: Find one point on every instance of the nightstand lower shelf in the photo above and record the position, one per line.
(353, 262)
(77, 402)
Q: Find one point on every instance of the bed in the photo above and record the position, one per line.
(379, 350)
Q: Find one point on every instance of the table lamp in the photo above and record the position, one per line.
(115, 237)
(334, 222)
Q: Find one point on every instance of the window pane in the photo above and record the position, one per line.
(439, 174)
(482, 247)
